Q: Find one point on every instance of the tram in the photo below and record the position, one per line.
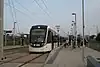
(43, 38)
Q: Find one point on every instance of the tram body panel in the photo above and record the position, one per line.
(45, 48)
(45, 35)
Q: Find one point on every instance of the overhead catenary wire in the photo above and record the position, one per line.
(20, 11)
(44, 4)
(13, 6)
(63, 31)
(11, 10)
(23, 6)
(41, 8)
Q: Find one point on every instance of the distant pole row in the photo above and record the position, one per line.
(75, 28)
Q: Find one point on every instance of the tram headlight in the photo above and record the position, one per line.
(42, 41)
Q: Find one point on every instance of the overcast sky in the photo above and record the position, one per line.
(60, 12)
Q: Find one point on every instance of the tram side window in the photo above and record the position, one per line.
(55, 38)
(49, 38)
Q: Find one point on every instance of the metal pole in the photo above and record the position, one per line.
(1, 27)
(68, 37)
(97, 29)
(58, 29)
(71, 37)
(83, 29)
(75, 29)
(5, 38)
(58, 38)
(14, 34)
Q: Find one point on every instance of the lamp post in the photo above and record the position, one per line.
(68, 36)
(1, 28)
(83, 29)
(58, 28)
(75, 26)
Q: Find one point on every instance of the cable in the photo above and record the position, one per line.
(41, 8)
(20, 11)
(11, 11)
(14, 10)
(63, 31)
(23, 6)
(44, 4)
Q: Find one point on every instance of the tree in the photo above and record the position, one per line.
(98, 37)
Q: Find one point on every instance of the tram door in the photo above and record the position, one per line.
(50, 39)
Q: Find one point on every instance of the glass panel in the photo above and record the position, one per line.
(38, 35)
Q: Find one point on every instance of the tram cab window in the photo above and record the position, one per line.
(49, 38)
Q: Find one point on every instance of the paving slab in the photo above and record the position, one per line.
(69, 58)
(32, 65)
(10, 65)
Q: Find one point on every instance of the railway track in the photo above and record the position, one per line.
(12, 58)
(28, 58)
(13, 51)
(28, 61)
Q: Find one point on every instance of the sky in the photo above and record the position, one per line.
(60, 13)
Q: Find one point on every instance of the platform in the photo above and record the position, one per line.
(72, 58)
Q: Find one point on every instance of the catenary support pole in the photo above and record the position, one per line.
(1, 27)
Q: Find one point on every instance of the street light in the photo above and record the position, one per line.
(71, 34)
(73, 21)
(75, 26)
(73, 13)
(58, 28)
(83, 29)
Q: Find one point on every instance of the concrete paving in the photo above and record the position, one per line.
(69, 58)
(32, 65)
(91, 52)
(72, 58)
